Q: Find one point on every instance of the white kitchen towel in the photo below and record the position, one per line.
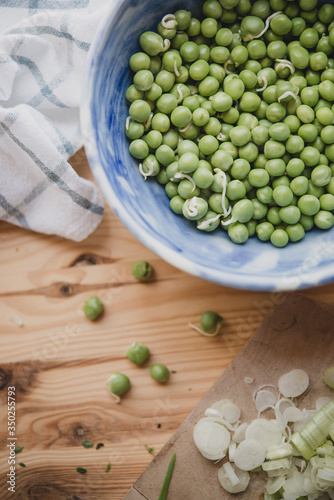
(43, 50)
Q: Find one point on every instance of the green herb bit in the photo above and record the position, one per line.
(81, 470)
(150, 450)
(99, 445)
(21, 464)
(18, 449)
(108, 467)
(168, 477)
(88, 444)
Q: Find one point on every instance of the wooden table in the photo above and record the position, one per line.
(58, 361)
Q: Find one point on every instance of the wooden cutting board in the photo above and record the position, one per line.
(298, 334)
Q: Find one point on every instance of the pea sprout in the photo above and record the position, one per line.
(166, 45)
(285, 63)
(221, 137)
(210, 322)
(191, 207)
(146, 174)
(184, 129)
(179, 91)
(148, 122)
(266, 27)
(169, 22)
(287, 94)
(227, 71)
(207, 223)
(180, 175)
(264, 81)
(223, 176)
(128, 121)
(176, 71)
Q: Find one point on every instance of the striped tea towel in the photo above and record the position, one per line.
(43, 49)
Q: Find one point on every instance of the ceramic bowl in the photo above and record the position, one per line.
(143, 206)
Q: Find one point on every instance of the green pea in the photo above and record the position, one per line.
(248, 78)
(274, 149)
(231, 116)
(299, 56)
(295, 167)
(324, 219)
(325, 116)
(275, 112)
(171, 189)
(282, 196)
(273, 216)
(236, 190)
(249, 152)
(305, 113)
(132, 94)
(265, 195)
(181, 116)
(279, 238)
(327, 202)
(280, 181)
(203, 178)
(243, 210)
(171, 138)
(258, 177)
(208, 86)
(139, 110)
(215, 203)
(295, 232)
(135, 130)
(208, 144)
(164, 154)
(199, 70)
(230, 148)
(151, 43)
(234, 88)
(275, 167)
(176, 204)
(138, 353)
(315, 190)
(200, 117)
(187, 146)
(93, 307)
(309, 38)
(308, 204)
(298, 26)
(260, 135)
(222, 159)
(118, 384)
(327, 134)
(139, 149)
(310, 156)
(213, 127)
(212, 224)
(294, 144)
(186, 189)
(308, 132)
(224, 37)
(159, 372)
(240, 135)
(221, 101)
(290, 214)
(321, 175)
(211, 321)
(260, 209)
(240, 169)
(249, 102)
(250, 27)
(139, 61)
(264, 231)
(238, 232)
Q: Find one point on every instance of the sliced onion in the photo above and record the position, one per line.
(294, 383)
(250, 454)
(211, 438)
(264, 399)
(224, 475)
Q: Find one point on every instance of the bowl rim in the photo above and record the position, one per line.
(316, 277)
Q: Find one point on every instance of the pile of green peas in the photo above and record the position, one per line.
(233, 114)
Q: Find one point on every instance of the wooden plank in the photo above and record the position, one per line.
(297, 335)
(60, 361)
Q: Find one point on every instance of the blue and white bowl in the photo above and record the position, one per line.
(143, 206)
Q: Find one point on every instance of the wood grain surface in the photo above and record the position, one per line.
(59, 361)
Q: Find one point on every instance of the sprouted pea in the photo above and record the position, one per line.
(138, 353)
(118, 384)
(221, 89)
(142, 270)
(93, 307)
(210, 324)
(159, 372)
